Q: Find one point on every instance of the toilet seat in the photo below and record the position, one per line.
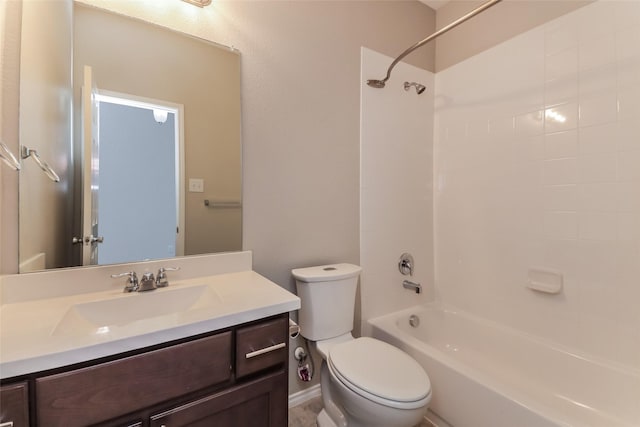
(380, 372)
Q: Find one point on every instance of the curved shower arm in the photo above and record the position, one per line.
(481, 8)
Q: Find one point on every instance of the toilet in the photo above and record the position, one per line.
(365, 382)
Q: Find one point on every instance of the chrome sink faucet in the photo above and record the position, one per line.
(162, 281)
(147, 283)
(132, 284)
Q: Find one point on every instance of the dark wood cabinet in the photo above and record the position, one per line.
(258, 403)
(14, 405)
(234, 378)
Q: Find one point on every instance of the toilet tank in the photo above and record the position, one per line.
(327, 297)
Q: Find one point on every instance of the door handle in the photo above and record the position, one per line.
(90, 240)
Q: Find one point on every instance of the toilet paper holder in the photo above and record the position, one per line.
(294, 330)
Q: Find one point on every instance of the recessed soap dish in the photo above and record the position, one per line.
(545, 280)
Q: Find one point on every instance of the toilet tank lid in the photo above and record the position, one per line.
(324, 273)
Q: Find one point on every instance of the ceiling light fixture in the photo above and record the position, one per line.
(199, 3)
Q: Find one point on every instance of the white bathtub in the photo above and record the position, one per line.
(487, 375)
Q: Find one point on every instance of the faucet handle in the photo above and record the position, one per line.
(132, 280)
(162, 280)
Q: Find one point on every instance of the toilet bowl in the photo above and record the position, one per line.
(364, 382)
(375, 384)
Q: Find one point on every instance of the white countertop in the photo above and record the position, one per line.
(41, 334)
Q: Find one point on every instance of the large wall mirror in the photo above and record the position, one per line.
(141, 124)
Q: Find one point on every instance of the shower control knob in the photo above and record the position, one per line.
(405, 265)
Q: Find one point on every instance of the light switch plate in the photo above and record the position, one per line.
(196, 185)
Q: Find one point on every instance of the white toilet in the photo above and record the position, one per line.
(365, 382)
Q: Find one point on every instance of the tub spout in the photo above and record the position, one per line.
(407, 284)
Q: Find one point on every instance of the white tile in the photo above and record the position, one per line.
(531, 148)
(598, 226)
(628, 196)
(597, 52)
(529, 124)
(600, 79)
(561, 90)
(597, 168)
(560, 225)
(561, 64)
(561, 144)
(628, 43)
(628, 169)
(598, 109)
(628, 226)
(560, 35)
(502, 126)
(599, 197)
(560, 171)
(627, 14)
(560, 197)
(629, 102)
(561, 117)
(598, 139)
(628, 135)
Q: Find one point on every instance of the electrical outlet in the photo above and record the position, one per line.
(196, 185)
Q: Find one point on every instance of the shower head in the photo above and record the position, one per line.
(419, 88)
(378, 84)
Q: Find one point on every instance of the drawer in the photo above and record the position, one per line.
(261, 346)
(261, 402)
(14, 405)
(101, 392)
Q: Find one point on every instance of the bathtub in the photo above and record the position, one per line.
(487, 375)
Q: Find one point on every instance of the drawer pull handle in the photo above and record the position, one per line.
(265, 350)
(7, 424)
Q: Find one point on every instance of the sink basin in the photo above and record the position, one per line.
(101, 317)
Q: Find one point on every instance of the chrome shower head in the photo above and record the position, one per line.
(419, 88)
(378, 84)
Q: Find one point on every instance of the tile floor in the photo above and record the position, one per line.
(304, 415)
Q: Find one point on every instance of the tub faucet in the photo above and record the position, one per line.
(417, 287)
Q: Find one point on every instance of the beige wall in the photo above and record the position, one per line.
(300, 101)
(10, 24)
(140, 60)
(493, 26)
(45, 126)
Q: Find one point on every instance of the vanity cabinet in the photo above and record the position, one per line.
(14, 406)
(235, 378)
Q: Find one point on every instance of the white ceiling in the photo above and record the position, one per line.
(434, 4)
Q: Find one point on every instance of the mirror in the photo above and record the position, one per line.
(136, 69)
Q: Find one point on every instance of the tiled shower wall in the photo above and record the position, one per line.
(396, 199)
(537, 166)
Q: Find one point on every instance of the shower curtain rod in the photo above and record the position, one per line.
(380, 83)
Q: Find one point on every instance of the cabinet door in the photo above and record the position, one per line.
(259, 403)
(14, 406)
(109, 390)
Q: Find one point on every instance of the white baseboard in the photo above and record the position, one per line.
(303, 396)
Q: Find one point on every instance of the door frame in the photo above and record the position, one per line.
(178, 110)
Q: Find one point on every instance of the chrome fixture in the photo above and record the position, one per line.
(417, 287)
(199, 3)
(132, 281)
(162, 281)
(414, 321)
(405, 264)
(379, 84)
(7, 156)
(26, 153)
(419, 88)
(147, 283)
